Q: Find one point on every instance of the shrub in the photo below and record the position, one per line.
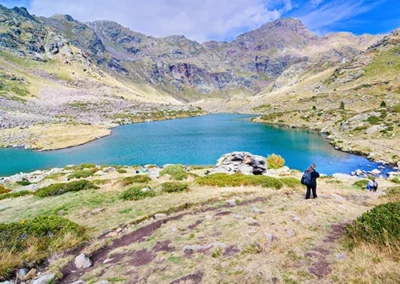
(223, 180)
(395, 180)
(135, 179)
(136, 193)
(361, 184)
(291, 182)
(61, 188)
(383, 104)
(381, 225)
(121, 171)
(33, 240)
(4, 190)
(176, 172)
(23, 182)
(341, 105)
(174, 187)
(374, 119)
(275, 161)
(81, 174)
(14, 194)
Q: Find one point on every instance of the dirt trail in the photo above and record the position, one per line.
(71, 274)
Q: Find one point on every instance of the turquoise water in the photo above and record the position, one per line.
(191, 141)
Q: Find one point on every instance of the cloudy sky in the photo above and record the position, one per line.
(203, 20)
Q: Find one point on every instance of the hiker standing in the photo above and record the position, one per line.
(372, 185)
(309, 179)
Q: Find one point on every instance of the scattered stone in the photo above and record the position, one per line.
(375, 172)
(146, 189)
(107, 260)
(290, 233)
(237, 216)
(44, 279)
(250, 220)
(341, 256)
(251, 232)
(97, 210)
(112, 235)
(109, 169)
(160, 216)
(208, 217)
(78, 282)
(119, 230)
(102, 282)
(197, 248)
(231, 202)
(82, 261)
(21, 273)
(270, 238)
(174, 229)
(30, 275)
(256, 210)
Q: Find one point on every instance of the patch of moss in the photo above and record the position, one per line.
(224, 180)
(62, 188)
(174, 187)
(176, 172)
(136, 193)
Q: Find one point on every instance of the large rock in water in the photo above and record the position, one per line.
(241, 162)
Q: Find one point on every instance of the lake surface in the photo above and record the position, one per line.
(191, 141)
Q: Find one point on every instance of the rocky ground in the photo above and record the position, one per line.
(245, 234)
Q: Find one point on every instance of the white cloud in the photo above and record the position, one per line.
(323, 17)
(196, 19)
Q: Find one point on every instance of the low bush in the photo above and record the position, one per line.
(30, 241)
(121, 171)
(135, 179)
(395, 180)
(291, 182)
(61, 188)
(223, 180)
(275, 161)
(174, 187)
(361, 184)
(81, 174)
(4, 190)
(14, 194)
(176, 172)
(23, 182)
(381, 225)
(136, 193)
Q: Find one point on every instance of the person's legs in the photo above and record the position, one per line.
(314, 192)
(308, 193)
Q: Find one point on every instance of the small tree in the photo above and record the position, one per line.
(383, 104)
(314, 107)
(342, 105)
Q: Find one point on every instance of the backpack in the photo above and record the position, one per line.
(306, 178)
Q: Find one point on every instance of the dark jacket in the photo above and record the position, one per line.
(314, 176)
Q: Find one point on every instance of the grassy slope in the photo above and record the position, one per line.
(289, 259)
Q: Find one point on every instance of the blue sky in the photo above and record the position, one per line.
(225, 19)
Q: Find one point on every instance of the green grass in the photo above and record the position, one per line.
(361, 184)
(81, 174)
(62, 188)
(177, 172)
(174, 186)
(30, 241)
(224, 180)
(14, 194)
(135, 179)
(291, 182)
(381, 225)
(136, 193)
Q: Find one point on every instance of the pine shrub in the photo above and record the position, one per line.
(174, 186)
(136, 193)
(62, 188)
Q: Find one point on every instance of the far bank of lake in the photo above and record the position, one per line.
(191, 141)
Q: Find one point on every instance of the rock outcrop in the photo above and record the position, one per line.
(241, 162)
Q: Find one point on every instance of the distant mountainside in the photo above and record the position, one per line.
(182, 68)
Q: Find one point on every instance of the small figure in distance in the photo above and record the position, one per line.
(372, 185)
(309, 179)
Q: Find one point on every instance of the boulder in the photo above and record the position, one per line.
(45, 279)
(375, 172)
(82, 261)
(30, 275)
(242, 162)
